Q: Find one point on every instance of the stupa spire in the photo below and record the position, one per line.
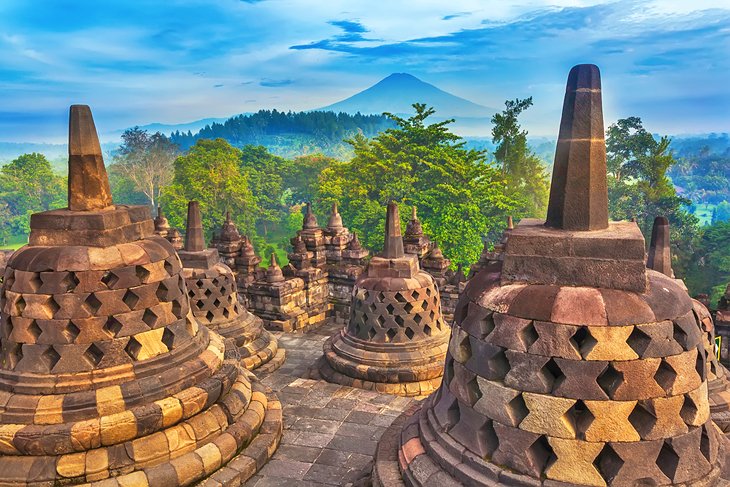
(578, 193)
(393, 247)
(660, 255)
(88, 183)
(194, 229)
(310, 221)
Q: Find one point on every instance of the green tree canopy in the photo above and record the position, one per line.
(210, 172)
(264, 172)
(29, 185)
(638, 186)
(460, 197)
(526, 175)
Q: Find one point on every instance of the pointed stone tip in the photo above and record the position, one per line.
(414, 213)
(393, 247)
(159, 211)
(273, 263)
(659, 257)
(334, 208)
(661, 221)
(584, 76)
(194, 229)
(88, 183)
(310, 221)
(510, 224)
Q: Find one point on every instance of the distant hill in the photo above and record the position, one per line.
(167, 129)
(290, 134)
(397, 92)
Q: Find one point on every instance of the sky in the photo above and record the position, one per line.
(176, 61)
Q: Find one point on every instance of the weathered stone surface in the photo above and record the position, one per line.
(659, 257)
(88, 184)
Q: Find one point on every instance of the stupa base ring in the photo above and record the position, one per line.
(402, 459)
(262, 354)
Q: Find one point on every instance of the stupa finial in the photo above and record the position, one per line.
(660, 254)
(393, 247)
(88, 183)
(194, 229)
(578, 192)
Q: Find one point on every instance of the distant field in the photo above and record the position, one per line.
(14, 243)
(704, 213)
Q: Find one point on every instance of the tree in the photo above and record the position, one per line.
(146, 161)
(265, 178)
(710, 272)
(525, 173)
(302, 176)
(210, 173)
(29, 185)
(638, 186)
(459, 195)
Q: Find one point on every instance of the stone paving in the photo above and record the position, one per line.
(330, 431)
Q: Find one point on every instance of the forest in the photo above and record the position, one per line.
(463, 194)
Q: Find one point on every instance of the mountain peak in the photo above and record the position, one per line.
(397, 92)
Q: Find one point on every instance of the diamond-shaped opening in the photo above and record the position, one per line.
(409, 333)
(50, 357)
(431, 315)
(130, 299)
(580, 417)
(177, 308)
(380, 319)
(133, 348)
(168, 267)
(486, 326)
(700, 363)
(427, 330)
(217, 303)
(541, 453)
(528, 335)
(20, 306)
(34, 329)
(390, 308)
(689, 410)
(665, 376)
(400, 298)
(93, 355)
(209, 316)
(226, 313)
(608, 463)
(448, 369)
(142, 273)
(70, 281)
(168, 338)
(112, 326)
(52, 306)
(417, 318)
(609, 380)
(399, 319)
(191, 293)
(109, 279)
(199, 283)
(390, 334)
(428, 292)
(162, 291)
(499, 365)
(408, 307)
(705, 448)
(680, 336)
(71, 331)
(92, 304)
(372, 308)
(642, 418)
(639, 341)
(200, 303)
(15, 354)
(583, 341)
(487, 440)
(552, 372)
(517, 409)
(379, 297)
(149, 317)
(371, 333)
(668, 460)
(416, 295)
(208, 292)
(35, 281)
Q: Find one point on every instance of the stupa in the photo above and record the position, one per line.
(228, 242)
(659, 259)
(414, 240)
(214, 299)
(105, 376)
(396, 338)
(570, 363)
(162, 226)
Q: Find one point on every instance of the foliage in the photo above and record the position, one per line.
(638, 186)
(459, 195)
(264, 173)
(721, 212)
(143, 164)
(711, 270)
(302, 177)
(525, 173)
(290, 133)
(210, 173)
(28, 185)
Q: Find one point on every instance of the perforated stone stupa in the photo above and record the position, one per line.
(214, 299)
(106, 378)
(396, 338)
(570, 363)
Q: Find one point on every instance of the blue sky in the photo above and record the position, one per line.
(181, 60)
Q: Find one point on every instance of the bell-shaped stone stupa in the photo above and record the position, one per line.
(105, 376)
(570, 363)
